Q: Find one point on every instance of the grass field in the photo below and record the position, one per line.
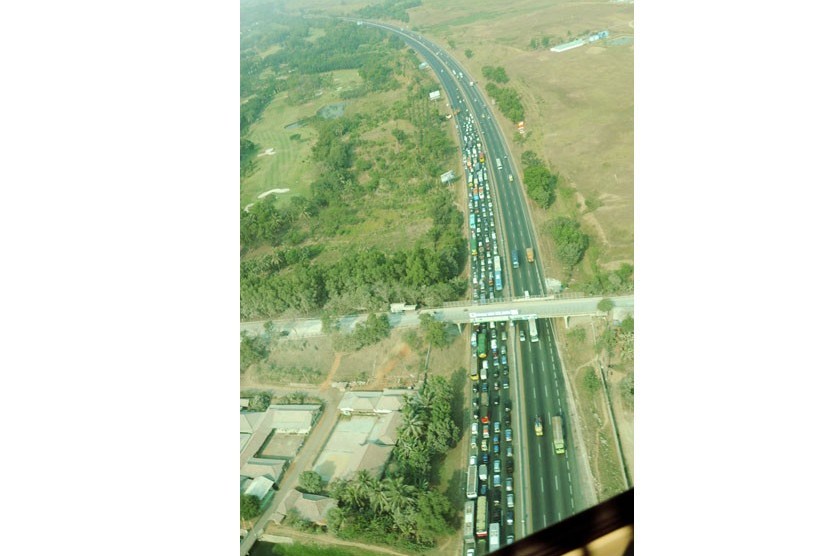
(290, 166)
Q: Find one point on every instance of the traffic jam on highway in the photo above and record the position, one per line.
(486, 262)
(489, 511)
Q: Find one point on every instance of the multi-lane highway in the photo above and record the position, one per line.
(549, 482)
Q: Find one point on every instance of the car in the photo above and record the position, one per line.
(497, 466)
(510, 501)
(495, 399)
(504, 360)
(484, 445)
(485, 419)
(497, 481)
(497, 514)
(475, 387)
(509, 467)
(496, 449)
(510, 539)
(503, 349)
(508, 484)
(503, 335)
(521, 335)
(505, 384)
(497, 427)
(510, 517)
(482, 490)
(486, 433)
(475, 428)
(508, 435)
(496, 372)
(471, 552)
(508, 406)
(496, 386)
(496, 439)
(496, 364)
(484, 387)
(507, 417)
(472, 459)
(485, 457)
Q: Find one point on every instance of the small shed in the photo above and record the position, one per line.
(435, 95)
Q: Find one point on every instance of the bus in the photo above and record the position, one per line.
(482, 346)
(495, 537)
(497, 269)
(472, 487)
(481, 517)
(558, 435)
(472, 221)
(469, 516)
(534, 336)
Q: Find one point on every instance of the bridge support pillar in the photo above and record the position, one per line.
(567, 322)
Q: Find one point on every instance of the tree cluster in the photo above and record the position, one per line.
(375, 329)
(497, 74)
(389, 9)
(570, 241)
(603, 282)
(539, 180)
(249, 506)
(252, 349)
(508, 101)
(401, 509)
(435, 331)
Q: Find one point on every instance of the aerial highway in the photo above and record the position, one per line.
(550, 482)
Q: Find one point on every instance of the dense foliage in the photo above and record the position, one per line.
(508, 101)
(497, 74)
(435, 331)
(389, 9)
(252, 349)
(249, 506)
(538, 179)
(375, 329)
(570, 242)
(603, 282)
(310, 482)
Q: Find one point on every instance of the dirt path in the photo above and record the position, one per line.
(322, 538)
(334, 366)
(592, 220)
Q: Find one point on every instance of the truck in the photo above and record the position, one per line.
(482, 472)
(534, 334)
(483, 372)
(482, 346)
(481, 517)
(485, 401)
(469, 516)
(472, 485)
(497, 270)
(558, 435)
(498, 163)
(515, 256)
(529, 252)
(495, 536)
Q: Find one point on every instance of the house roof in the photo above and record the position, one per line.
(309, 506)
(259, 487)
(258, 467)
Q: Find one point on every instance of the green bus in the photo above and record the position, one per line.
(482, 346)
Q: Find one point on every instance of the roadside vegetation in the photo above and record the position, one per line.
(508, 101)
(390, 9)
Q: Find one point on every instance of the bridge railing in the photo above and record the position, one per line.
(511, 299)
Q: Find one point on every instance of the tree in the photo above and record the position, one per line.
(468, 53)
(311, 482)
(249, 506)
(627, 325)
(570, 241)
(605, 305)
(590, 380)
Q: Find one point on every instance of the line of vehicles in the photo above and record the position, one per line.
(490, 507)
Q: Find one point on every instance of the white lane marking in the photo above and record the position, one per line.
(547, 395)
(559, 516)
(556, 480)
(570, 488)
(539, 449)
(543, 486)
(568, 463)
(534, 393)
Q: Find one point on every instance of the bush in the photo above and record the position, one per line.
(249, 506)
(590, 380)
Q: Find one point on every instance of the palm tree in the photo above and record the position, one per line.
(362, 483)
(399, 494)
